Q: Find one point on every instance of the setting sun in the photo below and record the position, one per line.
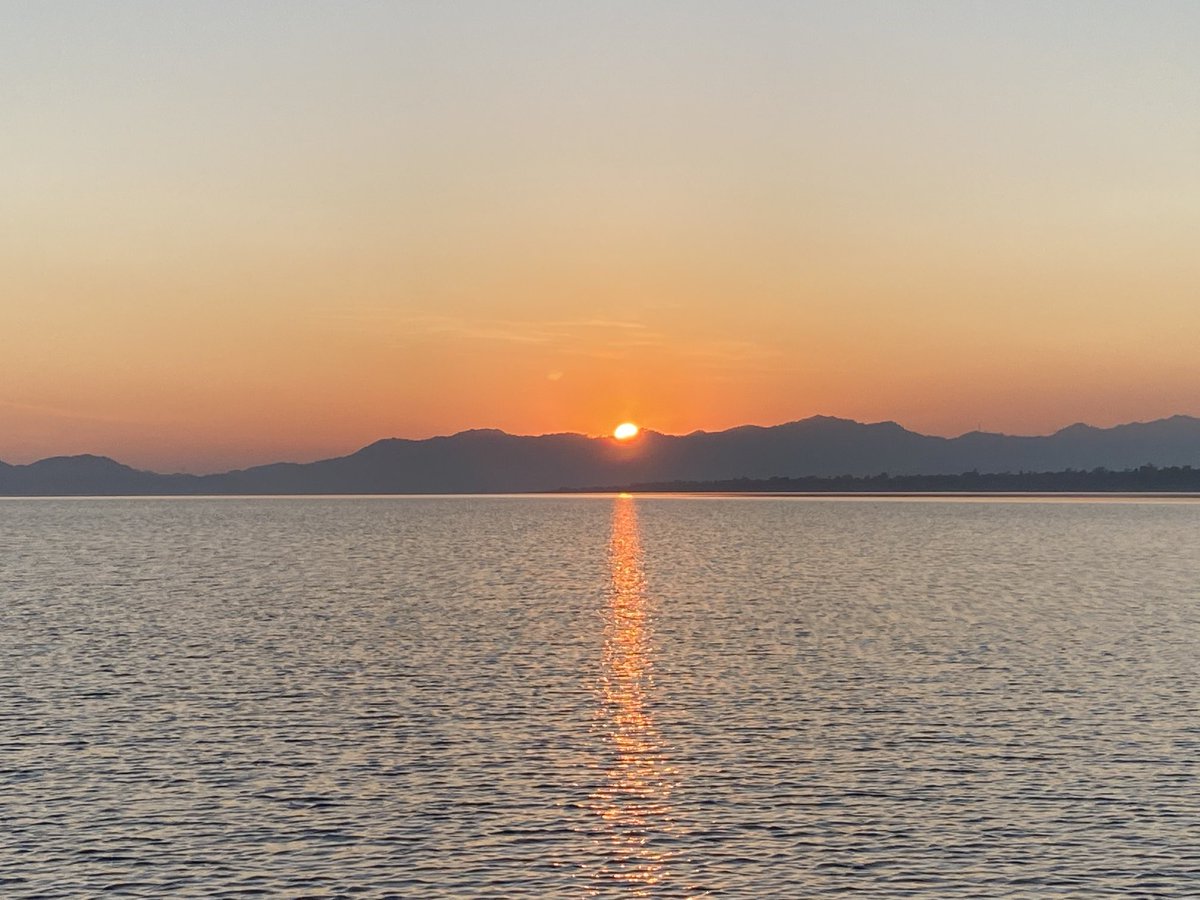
(625, 431)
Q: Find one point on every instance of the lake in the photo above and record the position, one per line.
(599, 696)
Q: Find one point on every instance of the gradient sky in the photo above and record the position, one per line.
(239, 232)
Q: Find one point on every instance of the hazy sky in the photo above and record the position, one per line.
(237, 232)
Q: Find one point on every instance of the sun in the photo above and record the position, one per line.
(625, 431)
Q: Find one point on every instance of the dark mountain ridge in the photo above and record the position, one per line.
(490, 461)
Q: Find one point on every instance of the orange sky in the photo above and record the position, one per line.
(287, 231)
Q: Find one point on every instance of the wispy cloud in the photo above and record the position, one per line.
(729, 351)
(563, 335)
(592, 338)
(60, 412)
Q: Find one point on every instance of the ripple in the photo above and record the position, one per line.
(579, 697)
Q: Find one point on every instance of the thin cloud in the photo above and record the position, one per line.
(60, 412)
(562, 334)
(595, 338)
(730, 351)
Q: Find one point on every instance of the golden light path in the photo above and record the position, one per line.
(634, 801)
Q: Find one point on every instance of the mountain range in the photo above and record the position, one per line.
(490, 461)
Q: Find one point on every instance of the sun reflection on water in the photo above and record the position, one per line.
(634, 800)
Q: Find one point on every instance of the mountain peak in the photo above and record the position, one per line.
(89, 460)
(490, 460)
(1077, 428)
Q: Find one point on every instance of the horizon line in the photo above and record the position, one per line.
(603, 437)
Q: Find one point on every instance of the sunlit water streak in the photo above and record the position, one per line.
(634, 801)
(561, 697)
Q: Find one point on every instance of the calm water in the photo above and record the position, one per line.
(535, 697)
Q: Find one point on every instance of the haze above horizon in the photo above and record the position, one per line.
(238, 233)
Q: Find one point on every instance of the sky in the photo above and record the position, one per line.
(239, 232)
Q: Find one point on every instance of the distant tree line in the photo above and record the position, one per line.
(1147, 478)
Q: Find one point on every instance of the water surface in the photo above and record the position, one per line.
(513, 697)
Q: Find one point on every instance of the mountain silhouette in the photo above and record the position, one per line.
(490, 461)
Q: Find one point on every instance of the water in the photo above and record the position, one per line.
(536, 697)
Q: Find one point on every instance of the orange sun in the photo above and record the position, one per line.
(625, 431)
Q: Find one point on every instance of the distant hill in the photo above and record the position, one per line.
(488, 461)
(83, 475)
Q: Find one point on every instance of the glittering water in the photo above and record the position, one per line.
(534, 697)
